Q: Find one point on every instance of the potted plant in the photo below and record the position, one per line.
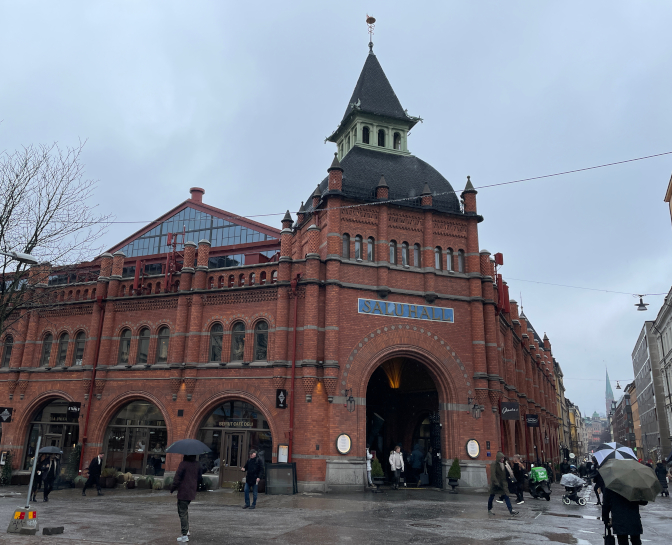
(454, 473)
(377, 474)
(109, 477)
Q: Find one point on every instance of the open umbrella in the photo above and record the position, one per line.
(630, 479)
(192, 447)
(51, 450)
(613, 451)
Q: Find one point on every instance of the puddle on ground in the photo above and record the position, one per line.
(424, 525)
(568, 515)
(560, 538)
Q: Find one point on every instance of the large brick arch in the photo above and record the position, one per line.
(27, 414)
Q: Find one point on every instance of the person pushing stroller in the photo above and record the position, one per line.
(573, 485)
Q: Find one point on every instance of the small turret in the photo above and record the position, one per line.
(469, 197)
(335, 175)
(287, 221)
(382, 189)
(317, 196)
(426, 195)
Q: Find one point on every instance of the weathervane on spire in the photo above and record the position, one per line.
(370, 21)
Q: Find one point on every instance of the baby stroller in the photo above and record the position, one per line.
(573, 485)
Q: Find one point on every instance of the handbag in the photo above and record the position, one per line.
(609, 539)
(424, 479)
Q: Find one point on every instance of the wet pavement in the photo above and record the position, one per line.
(404, 516)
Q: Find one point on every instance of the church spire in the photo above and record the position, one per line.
(609, 394)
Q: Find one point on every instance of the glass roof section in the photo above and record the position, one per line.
(199, 225)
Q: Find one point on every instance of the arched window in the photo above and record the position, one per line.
(370, 249)
(46, 349)
(51, 422)
(358, 248)
(93, 293)
(404, 254)
(381, 138)
(162, 345)
(261, 341)
(86, 294)
(347, 143)
(438, 258)
(365, 135)
(143, 346)
(122, 293)
(216, 337)
(176, 286)
(274, 277)
(62, 349)
(220, 282)
(78, 352)
(253, 279)
(416, 256)
(449, 259)
(211, 283)
(262, 278)
(149, 288)
(232, 280)
(77, 295)
(393, 252)
(157, 289)
(7, 350)
(346, 246)
(124, 346)
(238, 342)
(397, 141)
(241, 279)
(460, 261)
(69, 295)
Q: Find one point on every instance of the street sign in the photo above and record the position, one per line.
(510, 411)
(6, 414)
(280, 399)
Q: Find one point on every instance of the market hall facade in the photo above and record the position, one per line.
(376, 296)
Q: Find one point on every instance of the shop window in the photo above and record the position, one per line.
(231, 430)
(124, 347)
(370, 249)
(253, 279)
(162, 345)
(262, 278)
(365, 135)
(143, 346)
(404, 254)
(274, 277)
(216, 338)
(438, 261)
(460, 261)
(358, 248)
(232, 280)
(78, 352)
(416, 256)
(346, 246)
(241, 280)
(397, 141)
(381, 138)
(46, 349)
(57, 427)
(7, 350)
(136, 440)
(449, 260)
(261, 341)
(393, 252)
(62, 349)
(238, 342)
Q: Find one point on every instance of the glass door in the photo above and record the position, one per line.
(136, 449)
(115, 455)
(234, 449)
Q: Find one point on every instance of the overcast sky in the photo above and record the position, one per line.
(238, 97)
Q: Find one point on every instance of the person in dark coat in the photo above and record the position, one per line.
(50, 471)
(599, 483)
(520, 474)
(37, 479)
(498, 484)
(95, 469)
(564, 467)
(661, 473)
(254, 470)
(415, 461)
(625, 519)
(185, 482)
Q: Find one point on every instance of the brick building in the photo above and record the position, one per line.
(378, 294)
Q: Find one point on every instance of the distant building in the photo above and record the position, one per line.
(662, 326)
(608, 395)
(624, 428)
(632, 390)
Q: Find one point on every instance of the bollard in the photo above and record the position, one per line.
(24, 521)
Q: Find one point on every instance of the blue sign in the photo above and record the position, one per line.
(404, 310)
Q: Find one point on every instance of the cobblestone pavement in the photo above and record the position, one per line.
(405, 516)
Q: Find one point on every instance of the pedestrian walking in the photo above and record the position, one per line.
(50, 471)
(625, 518)
(498, 484)
(95, 468)
(254, 472)
(429, 465)
(599, 483)
(396, 465)
(369, 457)
(37, 480)
(415, 461)
(185, 482)
(661, 473)
(520, 474)
(564, 466)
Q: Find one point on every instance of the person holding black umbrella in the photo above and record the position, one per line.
(50, 470)
(625, 518)
(186, 483)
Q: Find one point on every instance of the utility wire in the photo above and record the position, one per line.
(583, 288)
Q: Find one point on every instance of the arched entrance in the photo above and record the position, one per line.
(57, 427)
(402, 407)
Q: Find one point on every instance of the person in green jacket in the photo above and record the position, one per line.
(498, 484)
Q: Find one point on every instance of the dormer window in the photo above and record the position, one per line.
(381, 138)
(365, 135)
(397, 141)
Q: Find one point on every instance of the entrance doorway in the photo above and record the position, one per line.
(57, 427)
(402, 408)
(235, 455)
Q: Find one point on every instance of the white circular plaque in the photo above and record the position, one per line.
(343, 443)
(473, 448)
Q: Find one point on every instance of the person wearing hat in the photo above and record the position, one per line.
(498, 483)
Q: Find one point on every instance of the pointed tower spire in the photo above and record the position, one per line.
(609, 394)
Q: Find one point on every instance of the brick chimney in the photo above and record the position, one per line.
(197, 194)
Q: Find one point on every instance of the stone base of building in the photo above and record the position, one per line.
(345, 475)
(474, 474)
(311, 486)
